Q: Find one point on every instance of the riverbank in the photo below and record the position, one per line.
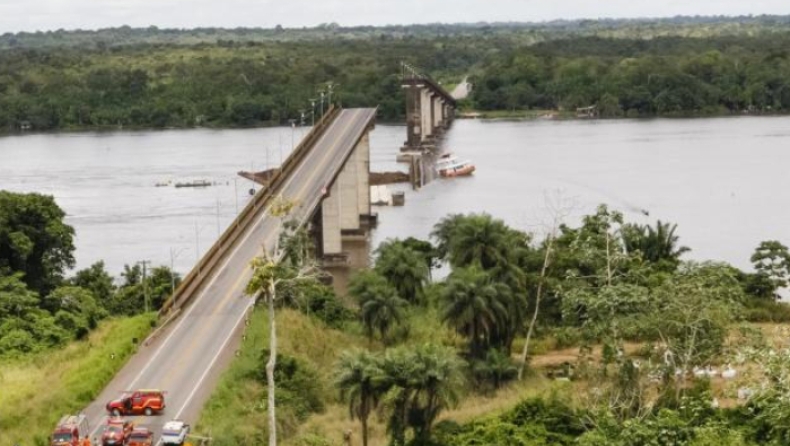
(567, 115)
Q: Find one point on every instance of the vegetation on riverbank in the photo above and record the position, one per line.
(40, 308)
(38, 389)
(417, 361)
(666, 76)
(125, 78)
(62, 339)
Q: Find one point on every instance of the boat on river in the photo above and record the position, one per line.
(198, 183)
(449, 166)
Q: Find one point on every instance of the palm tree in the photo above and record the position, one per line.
(420, 383)
(475, 306)
(444, 232)
(404, 268)
(496, 368)
(656, 244)
(381, 307)
(464, 240)
(481, 240)
(357, 374)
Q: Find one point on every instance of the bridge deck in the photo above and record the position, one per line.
(187, 360)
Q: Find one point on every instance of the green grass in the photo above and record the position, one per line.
(36, 391)
(236, 411)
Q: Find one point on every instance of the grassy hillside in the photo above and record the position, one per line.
(236, 411)
(37, 391)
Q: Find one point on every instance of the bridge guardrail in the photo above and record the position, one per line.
(196, 277)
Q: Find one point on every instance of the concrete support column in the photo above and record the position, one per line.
(348, 181)
(330, 224)
(427, 112)
(414, 117)
(362, 158)
(438, 107)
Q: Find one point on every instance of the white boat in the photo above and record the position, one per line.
(449, 166)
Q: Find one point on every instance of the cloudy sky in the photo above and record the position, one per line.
(32, 15)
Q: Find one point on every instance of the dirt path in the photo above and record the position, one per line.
(558, 357)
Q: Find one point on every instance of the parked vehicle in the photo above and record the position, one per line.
(69, 431)
(139, 402)
(141, 437)
(175, 432)
(117, 432)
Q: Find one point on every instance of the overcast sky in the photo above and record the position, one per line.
(32, 15)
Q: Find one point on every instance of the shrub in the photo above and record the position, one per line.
(535, 421)
(766, 310)
(495, 370)
(322, 303)
(298, 385)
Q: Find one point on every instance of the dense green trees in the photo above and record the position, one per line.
(34, 240)
(624, 77)
(380, 306)
(261, 78)
(406, 269)
(237, 84)
(413, 386)
(41, 308)
(477, 307)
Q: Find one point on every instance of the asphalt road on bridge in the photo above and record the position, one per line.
(188, 358)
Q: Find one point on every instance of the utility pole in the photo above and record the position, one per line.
(312, 111)
(322, 104)
(293, 128)
(236, 193)
(330, 88)
(145, 283)
(218, 229)
(197, 244)
(280, 135)
(173, 256)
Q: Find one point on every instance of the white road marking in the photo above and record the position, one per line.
(203, 293)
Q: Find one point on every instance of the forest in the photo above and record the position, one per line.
(663, 76)
(150, 78)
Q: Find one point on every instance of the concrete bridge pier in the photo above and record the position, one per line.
(429, 112)
(414, 109)
(344, 216)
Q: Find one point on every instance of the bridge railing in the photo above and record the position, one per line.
(196, 278)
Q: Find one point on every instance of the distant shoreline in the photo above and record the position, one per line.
(489, 115)
(555, 115)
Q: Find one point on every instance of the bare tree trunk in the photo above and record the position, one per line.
(608, 260)
(270, 368)
(546, 262)
(365, 431)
